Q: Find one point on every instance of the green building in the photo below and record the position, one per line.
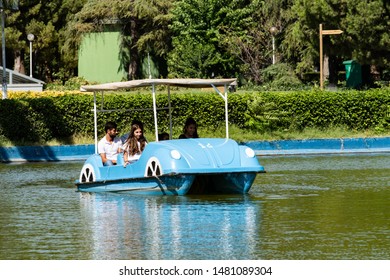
(103, 58)
(99, 57)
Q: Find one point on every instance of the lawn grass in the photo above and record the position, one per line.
(242, 135)
(238, 134)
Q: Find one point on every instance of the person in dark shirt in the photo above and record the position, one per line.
(190, 129)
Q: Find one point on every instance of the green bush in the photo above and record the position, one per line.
(73, 83)
(38, 120)
(280, 76)
(358, 110)
(41, 119)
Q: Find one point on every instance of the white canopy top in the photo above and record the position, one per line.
(189, 83)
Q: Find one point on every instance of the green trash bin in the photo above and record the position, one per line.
(353, 73)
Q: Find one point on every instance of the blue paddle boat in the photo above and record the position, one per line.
(174, 167)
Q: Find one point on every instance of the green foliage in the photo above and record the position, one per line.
(201, 38)
(14, 121)
(39, 120)
(367, 26)
(264, 115)
(46, 21)
(193, 59)
(365, 37)
(357, 110)
(73, 83)
(280, 76)
(198, 28)
(143, 23)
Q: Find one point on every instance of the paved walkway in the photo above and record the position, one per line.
(261, 148)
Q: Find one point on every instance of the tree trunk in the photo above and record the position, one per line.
(134, 55)
(133, 65)
(48, 75)
(19, 62)
(333, 70)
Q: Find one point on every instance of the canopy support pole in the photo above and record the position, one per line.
(95, 121)
(170, 112)
(225, 98)
(226, 112)
(4, 84)
(155, 112)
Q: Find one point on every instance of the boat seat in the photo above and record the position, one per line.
(98, 160)
(120, 160)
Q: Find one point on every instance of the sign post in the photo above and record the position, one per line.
(4, 5)
(325, 32)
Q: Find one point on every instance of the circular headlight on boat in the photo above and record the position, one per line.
(249, 152)
(175, 154)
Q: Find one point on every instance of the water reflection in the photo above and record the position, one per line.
(317, 207)
(133, 227)
(328, 207)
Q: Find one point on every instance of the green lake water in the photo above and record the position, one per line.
(304, 207)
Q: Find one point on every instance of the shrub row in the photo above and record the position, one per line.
(356, 110)
(57, 116)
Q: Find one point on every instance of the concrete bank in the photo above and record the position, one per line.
(262, 148)
(45, 153)
(321, 146)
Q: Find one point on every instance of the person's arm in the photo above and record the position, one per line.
(125, 158)
(121, 148)
(125, 150)
(102, 152)
(104, 158)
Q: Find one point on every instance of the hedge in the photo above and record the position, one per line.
(30, 118)
(357, 110)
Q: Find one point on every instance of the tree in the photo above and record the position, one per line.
(45, 21)
(199, 28)
(156, 36)
(249, 37)
(365, 24)
(224, 38)
(69, 60)
(144, 28)
(245, 38)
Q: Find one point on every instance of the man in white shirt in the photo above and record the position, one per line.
(109, 146)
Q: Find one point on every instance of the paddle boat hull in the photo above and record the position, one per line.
(173, 167)
(177, 167)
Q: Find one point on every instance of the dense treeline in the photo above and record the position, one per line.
(203, 38)
(40, 119)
